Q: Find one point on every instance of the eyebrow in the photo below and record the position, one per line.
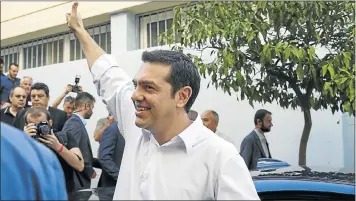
(146, 82)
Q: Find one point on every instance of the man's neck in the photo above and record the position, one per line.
(14, 110)
(260, 131)
(11, 78)
(178, 125)
(80, 114)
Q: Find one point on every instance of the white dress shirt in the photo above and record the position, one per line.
(225, 137)
(195, 165)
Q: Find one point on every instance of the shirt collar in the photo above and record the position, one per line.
(81, 118)
(190, 136)
(260, 135)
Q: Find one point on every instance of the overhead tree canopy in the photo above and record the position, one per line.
(299, 54)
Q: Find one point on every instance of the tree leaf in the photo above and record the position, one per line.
(300, 72)
(331, 71)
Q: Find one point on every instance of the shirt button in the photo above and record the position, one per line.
(144, 177)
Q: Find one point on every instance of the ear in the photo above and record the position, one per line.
(50, 122)
(183, 96)
(10, 98)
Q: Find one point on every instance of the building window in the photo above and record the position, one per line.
(100, 33)
(152, 25)
(10, 55)
(43, 51)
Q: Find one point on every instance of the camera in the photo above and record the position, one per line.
(43, 128)
(76, 87)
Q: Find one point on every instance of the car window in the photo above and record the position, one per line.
(304, 195)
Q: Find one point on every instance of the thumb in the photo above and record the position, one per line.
(74, 8)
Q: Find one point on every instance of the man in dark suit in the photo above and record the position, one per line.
(39, 98)
(84, 104)
(111, 149)
(255, 145)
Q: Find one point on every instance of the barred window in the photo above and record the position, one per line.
(152, 25)
(10, 55)
(100, 33)
(43, 51)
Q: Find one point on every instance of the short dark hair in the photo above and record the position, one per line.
(13, 64)
(69, 99)
(40, 86)
(36, 112)
(192, 114)
(183, 71)
(260, 114)
(83, 98)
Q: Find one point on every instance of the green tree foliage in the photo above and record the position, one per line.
(299, 54)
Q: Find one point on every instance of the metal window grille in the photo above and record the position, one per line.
(10, 55)
(43, 51)
(100, 33)
(152, 25)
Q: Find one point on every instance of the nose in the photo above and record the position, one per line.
(136, 96)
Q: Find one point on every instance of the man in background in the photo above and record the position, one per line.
(18, 97)
(8, 82)
(101, 125)
(255, 145)
(39, 98)
(61, 143)
(68, 104)
(75, 125)
(211, 120)
(29, 170)
(111, 150)
(1, 68)
(26, 83)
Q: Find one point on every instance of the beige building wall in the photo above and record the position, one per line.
(18, 18)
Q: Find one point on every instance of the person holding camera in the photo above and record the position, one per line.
(38, 125)
(68, 104)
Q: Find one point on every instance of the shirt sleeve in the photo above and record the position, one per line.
(115, 88)
(234, 181)
(72, 143)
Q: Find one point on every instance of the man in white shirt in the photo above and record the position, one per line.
(210, 119)
(167, 156)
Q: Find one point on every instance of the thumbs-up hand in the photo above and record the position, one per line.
(74, 20)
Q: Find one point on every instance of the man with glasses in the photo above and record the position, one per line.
(83, 109)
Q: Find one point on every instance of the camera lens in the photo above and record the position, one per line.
(45, 129)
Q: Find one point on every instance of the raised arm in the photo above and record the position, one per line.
(113, 85)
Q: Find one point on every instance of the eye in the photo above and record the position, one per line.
(148, 87)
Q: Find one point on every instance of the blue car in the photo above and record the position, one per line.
(270, 164)
(279, 183)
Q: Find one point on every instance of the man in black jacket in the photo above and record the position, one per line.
(39, 98)
(111, 149)
(75, 125)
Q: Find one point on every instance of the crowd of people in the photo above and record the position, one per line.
(152, 145)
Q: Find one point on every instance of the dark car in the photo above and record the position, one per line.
(284, 183)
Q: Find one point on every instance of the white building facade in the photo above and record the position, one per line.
(36, 37)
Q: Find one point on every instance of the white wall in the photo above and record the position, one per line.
(325, 144)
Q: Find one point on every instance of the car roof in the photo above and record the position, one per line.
(326, 174)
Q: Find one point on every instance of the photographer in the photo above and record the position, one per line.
(38, 126)
(68, 104)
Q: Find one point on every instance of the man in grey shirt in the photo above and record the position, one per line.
(211, 120)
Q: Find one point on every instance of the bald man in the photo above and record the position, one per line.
(26, 83)
(211, 120)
